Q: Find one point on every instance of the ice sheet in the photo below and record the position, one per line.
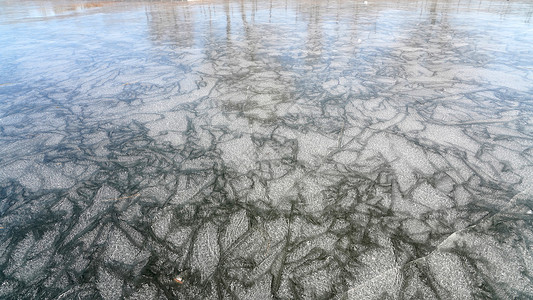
(266, 150)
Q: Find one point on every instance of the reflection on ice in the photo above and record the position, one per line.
(257, 150)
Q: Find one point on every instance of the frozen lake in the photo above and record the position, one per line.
(266, 149)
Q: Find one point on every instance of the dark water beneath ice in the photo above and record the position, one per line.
(266, 149)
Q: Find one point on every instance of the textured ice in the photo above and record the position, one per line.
(238, 225)
(430, 197)
(266, 150)
(239, 153)
(121, 249)
(109, 285)
(145, 292)
(206, 251)
(161, 224)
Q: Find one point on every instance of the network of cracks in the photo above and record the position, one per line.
(253, 158)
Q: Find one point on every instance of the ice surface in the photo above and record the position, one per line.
(206, 251)
(109, 286)
(258, 150)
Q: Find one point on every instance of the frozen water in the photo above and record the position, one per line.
(109, 286)
(257, 150)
